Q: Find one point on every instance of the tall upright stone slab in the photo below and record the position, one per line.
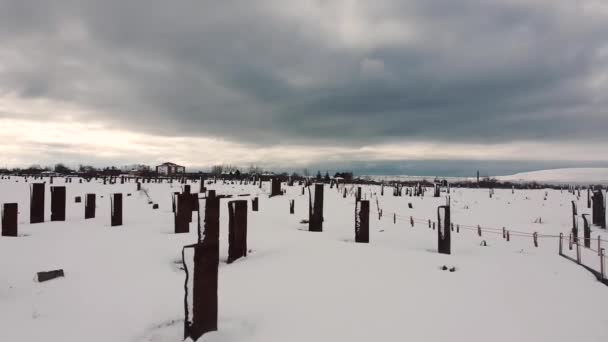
(89, 206)
(37, 202)
(315, 210)
(362, 221)
(116, 210)
(9, 219)
(237, 230)
(444, 238)
(275, 187)
(58, 199)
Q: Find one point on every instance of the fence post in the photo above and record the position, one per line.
(362, 221)
(237, 230)
(254, 204)
(9, 219)
(561, 248)
(578, 253)
(292, 204)
(602, 270)
(479, 230)
(535, 238)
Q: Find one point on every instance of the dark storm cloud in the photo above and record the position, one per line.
(469, 71)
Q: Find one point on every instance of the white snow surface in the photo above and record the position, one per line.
(125, 283)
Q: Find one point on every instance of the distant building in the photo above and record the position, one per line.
(170, 169)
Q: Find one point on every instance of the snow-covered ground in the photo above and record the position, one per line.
(125, 283)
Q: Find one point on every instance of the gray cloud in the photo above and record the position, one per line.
(457, 71)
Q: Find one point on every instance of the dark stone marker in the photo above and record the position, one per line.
(275, 188)
(292, 204)
(37, 203)
(254, 204)
(362, 221)
(203, 318)
(48, 275)
(315, 210)
(586, 231)
(237, 230)
(58, 203)
(443, 231)
(89, 206)
(116, 203)
(183, 213)
(194, 203)
(9, 219)
(599, 211)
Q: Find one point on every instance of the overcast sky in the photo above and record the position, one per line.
(384, 86)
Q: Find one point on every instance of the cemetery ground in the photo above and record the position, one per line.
(126, 282)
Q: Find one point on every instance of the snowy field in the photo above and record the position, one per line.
(125, 283)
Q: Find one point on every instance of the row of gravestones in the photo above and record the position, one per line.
(58, 208)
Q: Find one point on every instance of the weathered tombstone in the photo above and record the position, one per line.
(586, 231)
(599, 211)
(116, 207)
(194, 203)
(315, 210)
(89, 206)
(37, 203)
(275, 188)
(443, 231)
(49, 275)
(362, 221)
(58, 203)
(173, 201)
(201, 308)
(237, 230)
(9, 219)
(183, 213)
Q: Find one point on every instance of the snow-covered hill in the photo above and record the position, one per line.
(562, 176)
